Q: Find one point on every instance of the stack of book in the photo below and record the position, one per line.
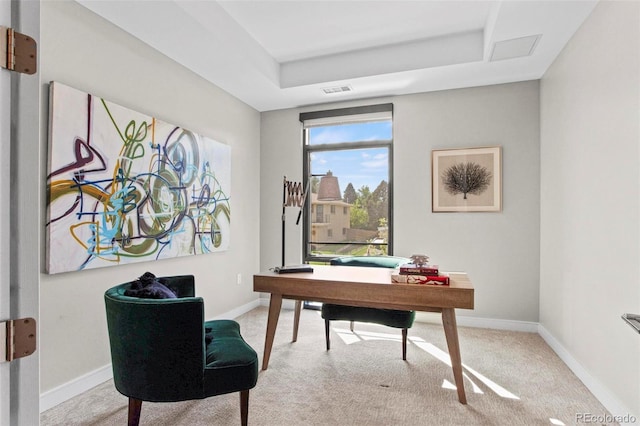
(419, 274)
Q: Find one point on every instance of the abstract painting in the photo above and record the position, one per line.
(125, 187)
(466, 180)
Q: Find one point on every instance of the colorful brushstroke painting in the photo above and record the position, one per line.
(124, 187)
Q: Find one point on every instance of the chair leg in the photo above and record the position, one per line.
(351, 326)
(326, 333)
(244, 407)
(135, 406)
(404, 344)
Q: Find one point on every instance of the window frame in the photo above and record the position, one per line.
(308, 149)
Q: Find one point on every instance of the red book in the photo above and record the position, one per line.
(439, 279)
(411, 269)
(420, 279)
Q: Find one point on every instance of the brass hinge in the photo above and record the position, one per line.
(18, 337)
(18, 52)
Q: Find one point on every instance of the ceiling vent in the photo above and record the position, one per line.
(514, 48)
(337, 89)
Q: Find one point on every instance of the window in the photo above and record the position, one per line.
(320, 214)
(348, 158)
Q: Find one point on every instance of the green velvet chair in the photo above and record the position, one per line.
(159, 352)
(388, 317)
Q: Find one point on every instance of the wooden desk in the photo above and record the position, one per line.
(369, 287)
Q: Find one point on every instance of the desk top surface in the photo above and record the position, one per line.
(361, 274)
(366, 286)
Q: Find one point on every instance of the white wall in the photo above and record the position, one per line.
(590, 203)
(500, 251)
(86, 52)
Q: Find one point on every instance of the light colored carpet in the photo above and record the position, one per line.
(511, 378)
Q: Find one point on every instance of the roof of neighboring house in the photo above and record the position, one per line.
(314, 200)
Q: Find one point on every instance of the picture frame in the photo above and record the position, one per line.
(125, 187)
(466, 179)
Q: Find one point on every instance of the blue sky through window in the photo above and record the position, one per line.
(359, 167)
(364, 166)
(353, 132)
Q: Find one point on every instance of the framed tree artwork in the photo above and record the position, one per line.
(466, 180)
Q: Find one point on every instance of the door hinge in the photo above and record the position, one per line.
(18, 52)
(18, 338)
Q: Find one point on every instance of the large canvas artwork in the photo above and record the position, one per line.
(124, 187)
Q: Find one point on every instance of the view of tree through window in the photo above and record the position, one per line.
(349, 164)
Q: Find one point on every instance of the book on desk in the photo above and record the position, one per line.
(413, 269)
(420, 279)
(411, 273)
(292, 269)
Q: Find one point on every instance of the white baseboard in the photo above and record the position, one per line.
(606, 398)
(477, 322)
(497, 324)
(288, 304)
(235, 313)
(75, 387)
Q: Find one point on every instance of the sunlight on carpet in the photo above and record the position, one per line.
(349, 337)
(358, 336)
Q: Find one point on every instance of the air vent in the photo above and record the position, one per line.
(337, 89)
(514, 48)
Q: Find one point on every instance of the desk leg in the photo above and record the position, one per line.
(275, 304)
(451, 332)
(296, 320)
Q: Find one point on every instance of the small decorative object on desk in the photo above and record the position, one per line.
(419, 259)
(419, 266)
(419, 271)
